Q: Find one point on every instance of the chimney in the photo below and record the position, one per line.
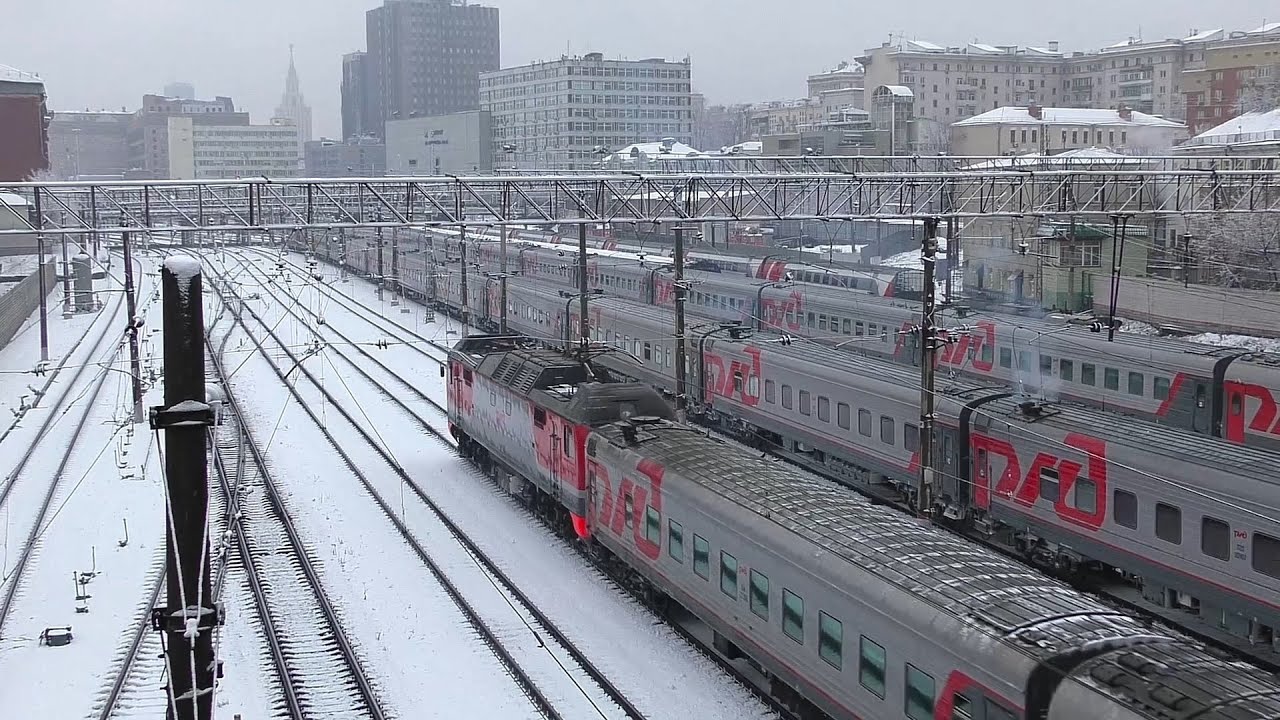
(1035, 111)
(1126, 113)
(1053, 46)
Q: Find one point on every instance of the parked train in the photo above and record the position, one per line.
(1195, 520)
(841, 605)
(1218, 392)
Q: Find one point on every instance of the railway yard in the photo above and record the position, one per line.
(378, 555)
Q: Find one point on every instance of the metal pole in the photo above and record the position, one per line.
(190, 615)
(682, 370)
(584, 281)
(66, 278)
(132, 327)
(928, 348)
(38, 221)
(502, 277)
(1117, 259)
(381, 277)
(462, 243)
(952, 254)
(1186, 259)
(395, 262)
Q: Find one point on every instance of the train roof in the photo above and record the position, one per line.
(955, 576)
(570, 387)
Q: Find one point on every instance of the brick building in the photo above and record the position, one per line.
(24, 137)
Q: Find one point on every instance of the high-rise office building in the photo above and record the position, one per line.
(425, 56)
(358, 98)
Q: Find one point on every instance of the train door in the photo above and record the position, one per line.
(1201, 413)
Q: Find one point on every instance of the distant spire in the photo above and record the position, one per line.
(292, 104)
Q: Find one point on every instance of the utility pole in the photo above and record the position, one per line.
(1121, 221)
(584, 288)
(38, 221)
(190, 614)
(131, 307)
(953, 254)
(502, 276)
(1186, 259)
(928, 349)
(381, 276)
(462, 243)
(682, 369)
(66, 278)
(398, 288)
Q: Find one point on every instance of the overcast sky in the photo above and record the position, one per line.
(107, 53)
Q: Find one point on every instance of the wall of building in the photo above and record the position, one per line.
(1212, 85)
(1048, 138)
(326, 158)
(24, 144)
(446, 144)
(89, 144)
(22, 300)
(1196, 308)
(210, 152)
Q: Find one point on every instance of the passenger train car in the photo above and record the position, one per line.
(844, 607)
(1219, 392)
(1195, 520)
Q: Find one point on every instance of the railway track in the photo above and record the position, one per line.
(559, 680)
(20, 482)
(322, 676)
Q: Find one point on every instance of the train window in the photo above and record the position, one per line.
(753, 386)
(675, 541)
(1124, 508)
(793, 615)
(630, 509)
(770, 391)
(822, 322)
(920, 690)
(668, 354)
(648, 352)
(760, 594)
(910, 437)
(988, 353)
(848, 327)
(728, 574)
(1024, 361)
(1088, 374)
(1136, 383)
(1266, 555)
(886, 429)
(857, 328)
(466, 376)
(1067, 370)
(1049, 484)
(842, 415)
(652, 525)
(1169, 523)
(995, 712)
(539, 417)
(830, 640)
(508, 406)
(1086, 499)
(737, 383)
(961, 708)
(811, 322)
(1046, 364)
(1160, 387)
(493, 398)
(786, 396)
(568, 445)
(864, 423)
(1111, 378)
(871, 665)
(701, 557)
(1006, 358)
(804, 403)
(1215, 538)
(824, 409)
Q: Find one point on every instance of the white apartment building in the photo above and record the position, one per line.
(956, 82)
(200, 152)
(557, 114)
(1050, 131)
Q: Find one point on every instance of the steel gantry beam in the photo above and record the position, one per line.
(293, 204)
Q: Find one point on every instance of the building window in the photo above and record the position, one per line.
(793, 616)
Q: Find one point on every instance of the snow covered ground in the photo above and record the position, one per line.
(111, 478)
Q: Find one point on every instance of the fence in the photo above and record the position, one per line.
(1196, 308)
(22, 300)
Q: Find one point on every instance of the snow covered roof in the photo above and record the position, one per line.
(1266, 29)
(750, 147)
(1011, 115)
(923, 45)
(1204, 35)
(12, 200)
(1081, 156)
(653, 151)
(895, 90)
(844, 68)
(1250, 127)
(13, 74)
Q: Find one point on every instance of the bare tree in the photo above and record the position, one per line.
(1235, 250)
(1261, 93)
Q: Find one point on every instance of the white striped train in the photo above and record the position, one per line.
(1218, 392)
(842, 608)
(1190, 524)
